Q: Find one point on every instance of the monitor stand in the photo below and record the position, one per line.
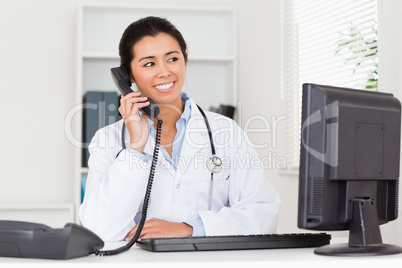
(364, 234)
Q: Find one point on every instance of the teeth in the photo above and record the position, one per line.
(165, 86)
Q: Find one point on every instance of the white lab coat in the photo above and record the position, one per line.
(243, 200)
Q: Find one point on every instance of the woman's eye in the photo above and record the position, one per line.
(173, 59)
(149, 64)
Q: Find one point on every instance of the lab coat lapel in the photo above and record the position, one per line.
(195, 140)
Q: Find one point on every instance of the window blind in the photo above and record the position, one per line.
(332, 42)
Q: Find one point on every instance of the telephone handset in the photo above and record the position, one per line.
(123, 83)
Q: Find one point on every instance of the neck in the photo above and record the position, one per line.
(170, 113)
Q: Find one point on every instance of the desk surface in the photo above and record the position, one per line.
(302, 257)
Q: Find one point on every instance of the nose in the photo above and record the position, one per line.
(163, 70)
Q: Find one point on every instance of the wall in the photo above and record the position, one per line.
(262, 108)
(37, 83)
(393, 55)
(37, 74)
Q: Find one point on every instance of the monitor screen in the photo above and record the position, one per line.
(349, 166)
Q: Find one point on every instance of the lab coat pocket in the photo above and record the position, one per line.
(214, 197)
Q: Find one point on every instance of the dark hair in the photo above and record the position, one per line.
(148, 26)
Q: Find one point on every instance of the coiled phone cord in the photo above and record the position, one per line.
(146, 198)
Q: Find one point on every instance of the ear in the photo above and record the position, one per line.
(186, 58)
(133, 84)
(132, 78)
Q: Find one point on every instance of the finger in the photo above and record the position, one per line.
(151, 234)
(131, 95)
(147, 229)
(146, 233)
(151, 229)
(127, 105)
(130, 101)
(133, 115)
(129, 237)
(131, 233)
(137, 106)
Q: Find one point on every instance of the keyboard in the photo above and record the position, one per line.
(237, 242)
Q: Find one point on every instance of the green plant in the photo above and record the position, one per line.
(364, 52)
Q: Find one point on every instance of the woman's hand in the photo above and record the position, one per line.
(159, 228)
(137, 127)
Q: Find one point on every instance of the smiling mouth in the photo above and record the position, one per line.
(164, 86)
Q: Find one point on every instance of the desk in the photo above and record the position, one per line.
(275, 258)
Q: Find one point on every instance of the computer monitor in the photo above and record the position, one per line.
(349, 166)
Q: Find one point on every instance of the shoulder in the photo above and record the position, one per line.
(108, 137)
(104, 146)
(218, 121)
(214, 119)
(225, 131)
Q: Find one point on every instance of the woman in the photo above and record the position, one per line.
(184, 201)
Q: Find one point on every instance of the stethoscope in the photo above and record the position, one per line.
(214, 163)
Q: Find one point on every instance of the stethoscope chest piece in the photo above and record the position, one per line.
(214, 164)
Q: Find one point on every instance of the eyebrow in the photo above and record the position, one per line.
(152, 57)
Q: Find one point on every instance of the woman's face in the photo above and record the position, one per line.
(158, 68)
